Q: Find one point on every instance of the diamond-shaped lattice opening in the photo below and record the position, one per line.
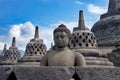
(12, 76)
(75, 77)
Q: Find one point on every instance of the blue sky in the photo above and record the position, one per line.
(18, 17)
(43, 12)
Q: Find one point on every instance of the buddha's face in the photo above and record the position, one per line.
(61, 39)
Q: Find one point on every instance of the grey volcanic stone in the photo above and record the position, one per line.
(44, 73)
(107, 29)
(59, 73)
(114, 56)
(92, 73)
(5, 72)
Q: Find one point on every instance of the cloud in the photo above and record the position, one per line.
(96, 9)
(22, 32)
(78, 2)
(15, 30)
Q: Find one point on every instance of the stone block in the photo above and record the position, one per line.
(44, 73)
(5, 71)
(94, 73)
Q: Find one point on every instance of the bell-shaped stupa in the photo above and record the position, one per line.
(3, 52)
(35, 50)
(11, 55)
(107, 29)
(84, 41)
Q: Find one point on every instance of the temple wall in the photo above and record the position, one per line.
(58, 73)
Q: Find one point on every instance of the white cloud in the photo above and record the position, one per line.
(78, 2)
(96, 9)
(22, 32)
(15, 30)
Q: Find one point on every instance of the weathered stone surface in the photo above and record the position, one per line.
(58, 73)
(114, 56)
(92, 73)
(44, 73)
(107, 29)
(5, 71)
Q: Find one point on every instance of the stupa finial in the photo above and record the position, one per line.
(113, 5)
(36, 36)
(5, 48)
(13, 42)
(81, 23)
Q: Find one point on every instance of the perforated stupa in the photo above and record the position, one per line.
(84, 41)
(35, 50)
(11, 55)
(3, 52)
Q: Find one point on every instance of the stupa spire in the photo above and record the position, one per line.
(113, 5)
(81, 23)
(13, 42)
(36, 36)
(5, 48)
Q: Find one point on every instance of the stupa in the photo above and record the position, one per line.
(107, 29)
(11, 55)
(3, 52)
(84, 41)
(35, 50)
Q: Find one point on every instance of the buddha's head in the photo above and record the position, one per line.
(61, 36)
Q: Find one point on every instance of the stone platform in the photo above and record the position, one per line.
(58, 73)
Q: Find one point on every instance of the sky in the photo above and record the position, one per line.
(18, 18)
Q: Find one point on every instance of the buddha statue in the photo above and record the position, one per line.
(61, 55)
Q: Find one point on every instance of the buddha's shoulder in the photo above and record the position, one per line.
(50, 52)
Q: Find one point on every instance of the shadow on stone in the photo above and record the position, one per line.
(75, 77)
(12, 76)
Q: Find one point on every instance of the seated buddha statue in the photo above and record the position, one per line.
(62, 55)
